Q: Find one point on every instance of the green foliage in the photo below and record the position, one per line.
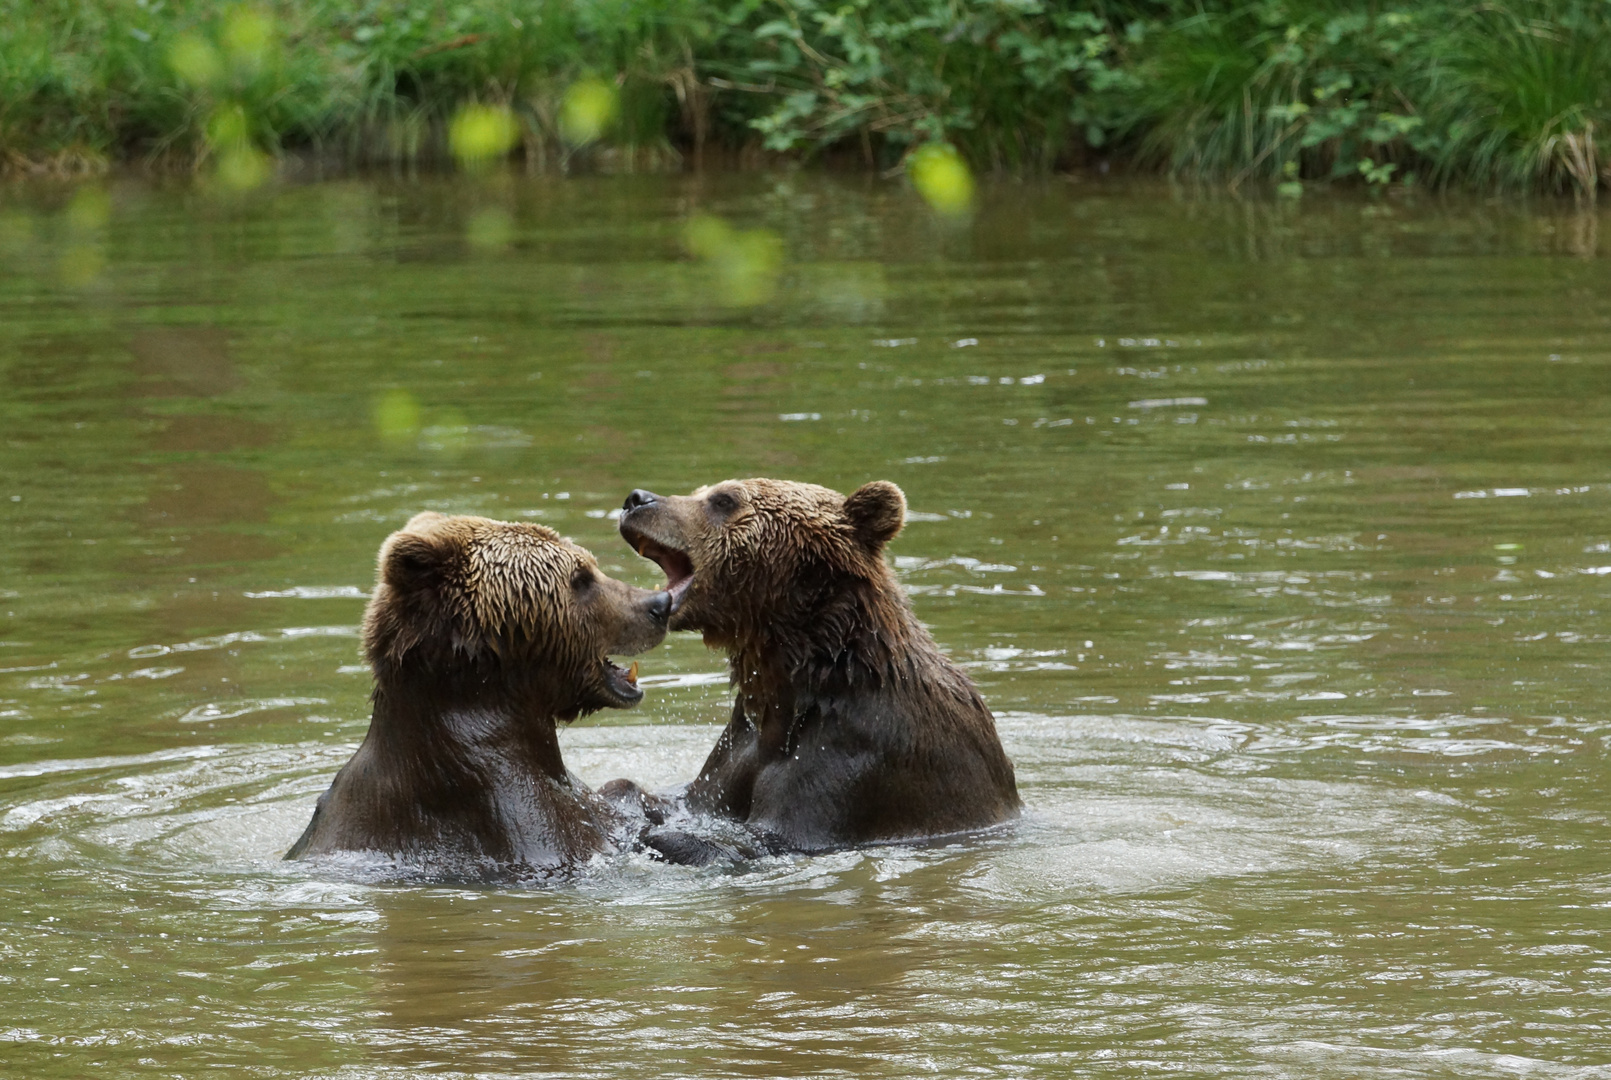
(1266, 89)
(104, 78)
(1518, 94)
(1014, 83)
(414, 63)
(1499, 94)
(87, 81)
(1509, 93)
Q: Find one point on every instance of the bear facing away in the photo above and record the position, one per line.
(850, 726)
(481, 636)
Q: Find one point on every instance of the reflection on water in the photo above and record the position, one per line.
(1276, 537)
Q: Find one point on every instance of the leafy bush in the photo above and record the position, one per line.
(1014, 83)
(1518, 93)
(1499, 94)
(415, 63)
(1283, 91)
(1509, 93)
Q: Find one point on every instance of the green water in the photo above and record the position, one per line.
(1276, 536)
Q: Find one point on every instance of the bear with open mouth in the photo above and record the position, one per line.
(850, 726)
(482, 636)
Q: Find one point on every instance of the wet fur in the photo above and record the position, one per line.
(480, 641)
(850, 726)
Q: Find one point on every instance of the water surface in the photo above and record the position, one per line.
(1276, 535)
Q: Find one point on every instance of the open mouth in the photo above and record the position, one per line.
(677, 566)
(622, 683)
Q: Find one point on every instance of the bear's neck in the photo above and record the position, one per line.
(443, 734)
(861, 637)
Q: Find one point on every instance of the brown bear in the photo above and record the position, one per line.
(481, 636)
(850, 727)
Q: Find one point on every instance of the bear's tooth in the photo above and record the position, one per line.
(632, 673)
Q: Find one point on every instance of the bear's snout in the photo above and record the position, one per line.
(638, 619)
(638, 498)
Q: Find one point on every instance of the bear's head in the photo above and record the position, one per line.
(743, 556)
(465, 602)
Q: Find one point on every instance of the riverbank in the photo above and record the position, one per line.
(1508, 96)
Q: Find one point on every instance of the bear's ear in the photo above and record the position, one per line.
(877, 511)
(410, 561)
(423, 520)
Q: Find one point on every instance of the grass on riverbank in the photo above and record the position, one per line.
(1498, 95)
(1508, 94)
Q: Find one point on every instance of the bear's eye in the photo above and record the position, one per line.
(582, 579)
(723, 502)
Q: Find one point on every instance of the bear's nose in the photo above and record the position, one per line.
(660, 606)
(638, 498)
